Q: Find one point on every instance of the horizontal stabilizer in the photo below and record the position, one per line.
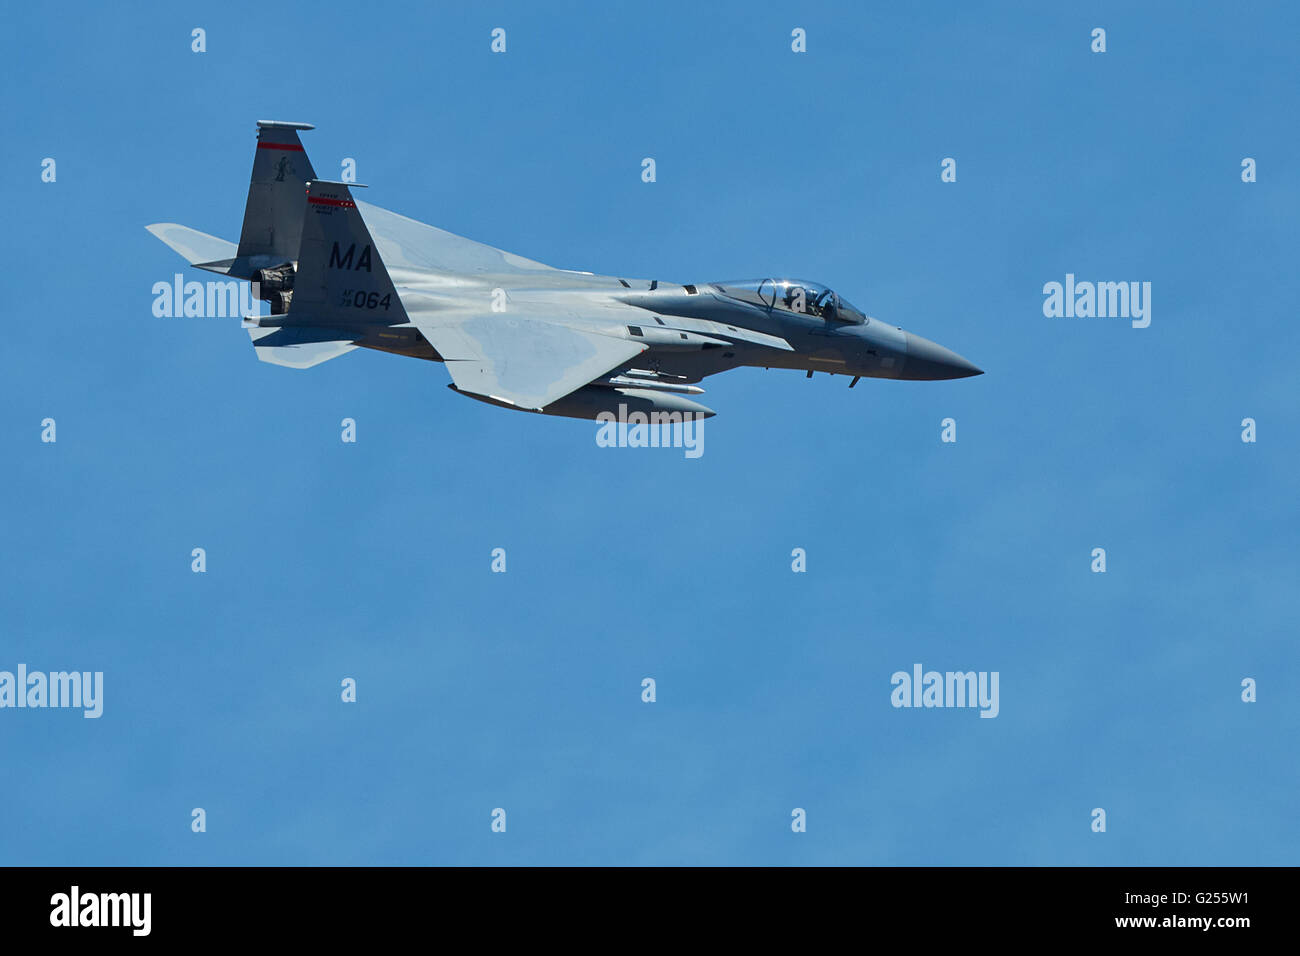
(298, 347)
(197, 248)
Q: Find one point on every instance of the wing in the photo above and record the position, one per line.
(407, 244)
(527, 363)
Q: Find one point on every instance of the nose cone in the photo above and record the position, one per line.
(929, 361)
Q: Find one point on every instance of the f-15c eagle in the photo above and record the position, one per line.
(342, 274)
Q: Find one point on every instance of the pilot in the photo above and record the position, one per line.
(828, 311)
(793, 292)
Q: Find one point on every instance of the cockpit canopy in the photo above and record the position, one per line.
(794, 295)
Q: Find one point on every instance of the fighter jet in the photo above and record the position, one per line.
(341, 274)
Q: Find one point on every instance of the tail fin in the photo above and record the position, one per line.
(276, 196)
(340, 287)
(272, 231)
(341, 278)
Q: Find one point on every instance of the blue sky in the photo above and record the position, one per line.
(522, 690)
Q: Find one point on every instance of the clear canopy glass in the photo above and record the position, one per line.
(793, 295)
